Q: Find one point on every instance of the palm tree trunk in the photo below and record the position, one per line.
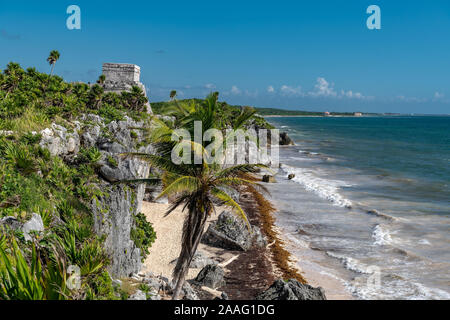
(53, 67)
(188, 249)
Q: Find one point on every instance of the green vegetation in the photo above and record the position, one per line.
(226, 114)
(30, 100)
(59, 190)
(143, 234)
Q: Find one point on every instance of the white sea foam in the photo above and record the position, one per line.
(326, 189)
(352, 263)
(425, 242)
(381, 235)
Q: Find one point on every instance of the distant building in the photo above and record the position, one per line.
(357, 114)
(326, 114)
(121, 77)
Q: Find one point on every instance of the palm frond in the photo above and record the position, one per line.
(183, 184)
(228, 201)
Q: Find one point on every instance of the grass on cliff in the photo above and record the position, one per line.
(32, 181)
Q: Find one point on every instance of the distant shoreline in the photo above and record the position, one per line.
(318, 116)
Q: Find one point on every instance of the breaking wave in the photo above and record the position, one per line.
(326, 189)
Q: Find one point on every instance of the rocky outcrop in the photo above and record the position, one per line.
(60, 141)
(200, 260)
(11, 223)
(114, 210)
(35, 224)
(211, 276)
(285, 140)
(232, 233)
(268, 179)
(291, 290)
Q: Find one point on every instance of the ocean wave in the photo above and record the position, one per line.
(352, 264)
(326, 189)
(381, 215)
(381, 235)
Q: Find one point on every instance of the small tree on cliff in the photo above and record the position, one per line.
(52, 58)
(197, 187)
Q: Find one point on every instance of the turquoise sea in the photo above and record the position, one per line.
(370, 194)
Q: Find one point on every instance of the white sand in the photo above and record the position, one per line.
(167, 247)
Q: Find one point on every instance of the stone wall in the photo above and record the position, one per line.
(121, 72)
(121, 77)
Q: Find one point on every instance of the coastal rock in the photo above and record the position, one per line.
(11, 223)
(259, 240)
(228, 232)
(114, 212)
(211, 276)
(291, 176)
(285, 140)
(138, 295)
(200, 260)
(292, 290)
(268, 179)
(232, 233)
(59, 141)
(188, 292)
(35, 224)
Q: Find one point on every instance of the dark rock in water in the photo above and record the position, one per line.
(268, 179)
(285, 140)
(291, 290)
(291, 176)
(228, 232)
(211, 276)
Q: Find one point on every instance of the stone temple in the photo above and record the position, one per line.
(122, 77)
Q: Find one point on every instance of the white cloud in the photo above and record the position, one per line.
(270, 89)
(438, 95)
(210, 86)
(323, 89)
(235, 90)
(411, 99)
(291, 91)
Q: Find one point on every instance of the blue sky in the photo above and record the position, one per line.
(310, 55)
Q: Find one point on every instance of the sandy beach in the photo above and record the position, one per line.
(165, 250)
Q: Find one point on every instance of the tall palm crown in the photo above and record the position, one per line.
(196, 187)
(52, 58)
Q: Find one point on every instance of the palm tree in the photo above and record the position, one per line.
(96, 96)
(101, 79)
(52, 58)
(173, 94)
(197, 187)
(134, 99)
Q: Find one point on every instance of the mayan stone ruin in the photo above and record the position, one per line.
(122, 77)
